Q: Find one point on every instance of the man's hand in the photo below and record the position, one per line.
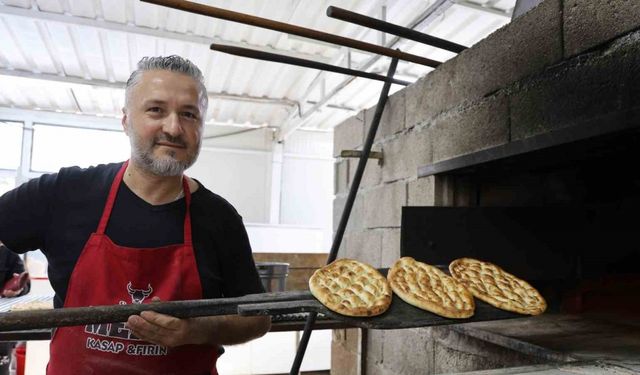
(15, 292)
(163, 329)
(12, 293)
(211, 330)
(160, 329)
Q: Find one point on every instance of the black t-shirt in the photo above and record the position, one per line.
(58, 212)
(10, 263)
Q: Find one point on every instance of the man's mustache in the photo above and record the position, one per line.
(169, 139)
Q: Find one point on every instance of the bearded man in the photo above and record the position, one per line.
(140, 231)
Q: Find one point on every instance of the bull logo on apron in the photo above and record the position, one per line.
(138, 295)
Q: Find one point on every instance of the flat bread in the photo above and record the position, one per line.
(351, 288)
(426, 287)
(497, 287)
(33, 305)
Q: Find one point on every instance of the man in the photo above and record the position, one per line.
(137, 232)
(11, 269)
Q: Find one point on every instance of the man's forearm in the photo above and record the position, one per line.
(230, 329)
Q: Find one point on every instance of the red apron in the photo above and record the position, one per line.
(108, 274)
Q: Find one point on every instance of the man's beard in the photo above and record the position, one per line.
(165, 165)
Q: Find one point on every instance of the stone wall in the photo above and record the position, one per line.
(565, 63)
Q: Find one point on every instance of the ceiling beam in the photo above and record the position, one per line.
(139, 30)
(420, 22)
(67, 80)
(87, 120)
(67, 119)
(487, 9)
(73, 81)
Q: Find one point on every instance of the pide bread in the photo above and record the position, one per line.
(33, 305)
(497, 287)
(428, 288)
(351, 288)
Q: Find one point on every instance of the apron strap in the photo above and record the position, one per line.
(187, 216)
(111, 198)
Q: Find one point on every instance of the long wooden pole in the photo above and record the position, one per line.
(376, 24)
(266, 56)
(64, 317)
(247, 19)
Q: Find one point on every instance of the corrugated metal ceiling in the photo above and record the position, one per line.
(75, 55)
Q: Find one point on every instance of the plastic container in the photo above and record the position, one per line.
(21, 355)
(273, 275)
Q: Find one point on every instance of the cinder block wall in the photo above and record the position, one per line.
(565, 63)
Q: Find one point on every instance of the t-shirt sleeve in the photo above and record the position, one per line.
(25, 214)
(16, 264)
(10, 263)
(239, 273)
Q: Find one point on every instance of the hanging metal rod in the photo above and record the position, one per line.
(376, 24)
(266, 56)
(346, 213)
(290, 29)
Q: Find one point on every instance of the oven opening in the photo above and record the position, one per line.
(563, 218)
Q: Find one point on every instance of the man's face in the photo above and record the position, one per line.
(164, 122)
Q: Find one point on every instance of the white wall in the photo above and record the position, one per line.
(238, 138)
(239, 168)
(306, 191)
(274, 353)
(269, 238)
(241, 177)
(307, 183)
(236, 164)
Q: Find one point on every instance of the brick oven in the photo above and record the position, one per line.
(528, 140)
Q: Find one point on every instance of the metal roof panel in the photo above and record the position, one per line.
(78, 47)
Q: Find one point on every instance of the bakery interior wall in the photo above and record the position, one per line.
(54, 140)
(305, 181)
(564, 65)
